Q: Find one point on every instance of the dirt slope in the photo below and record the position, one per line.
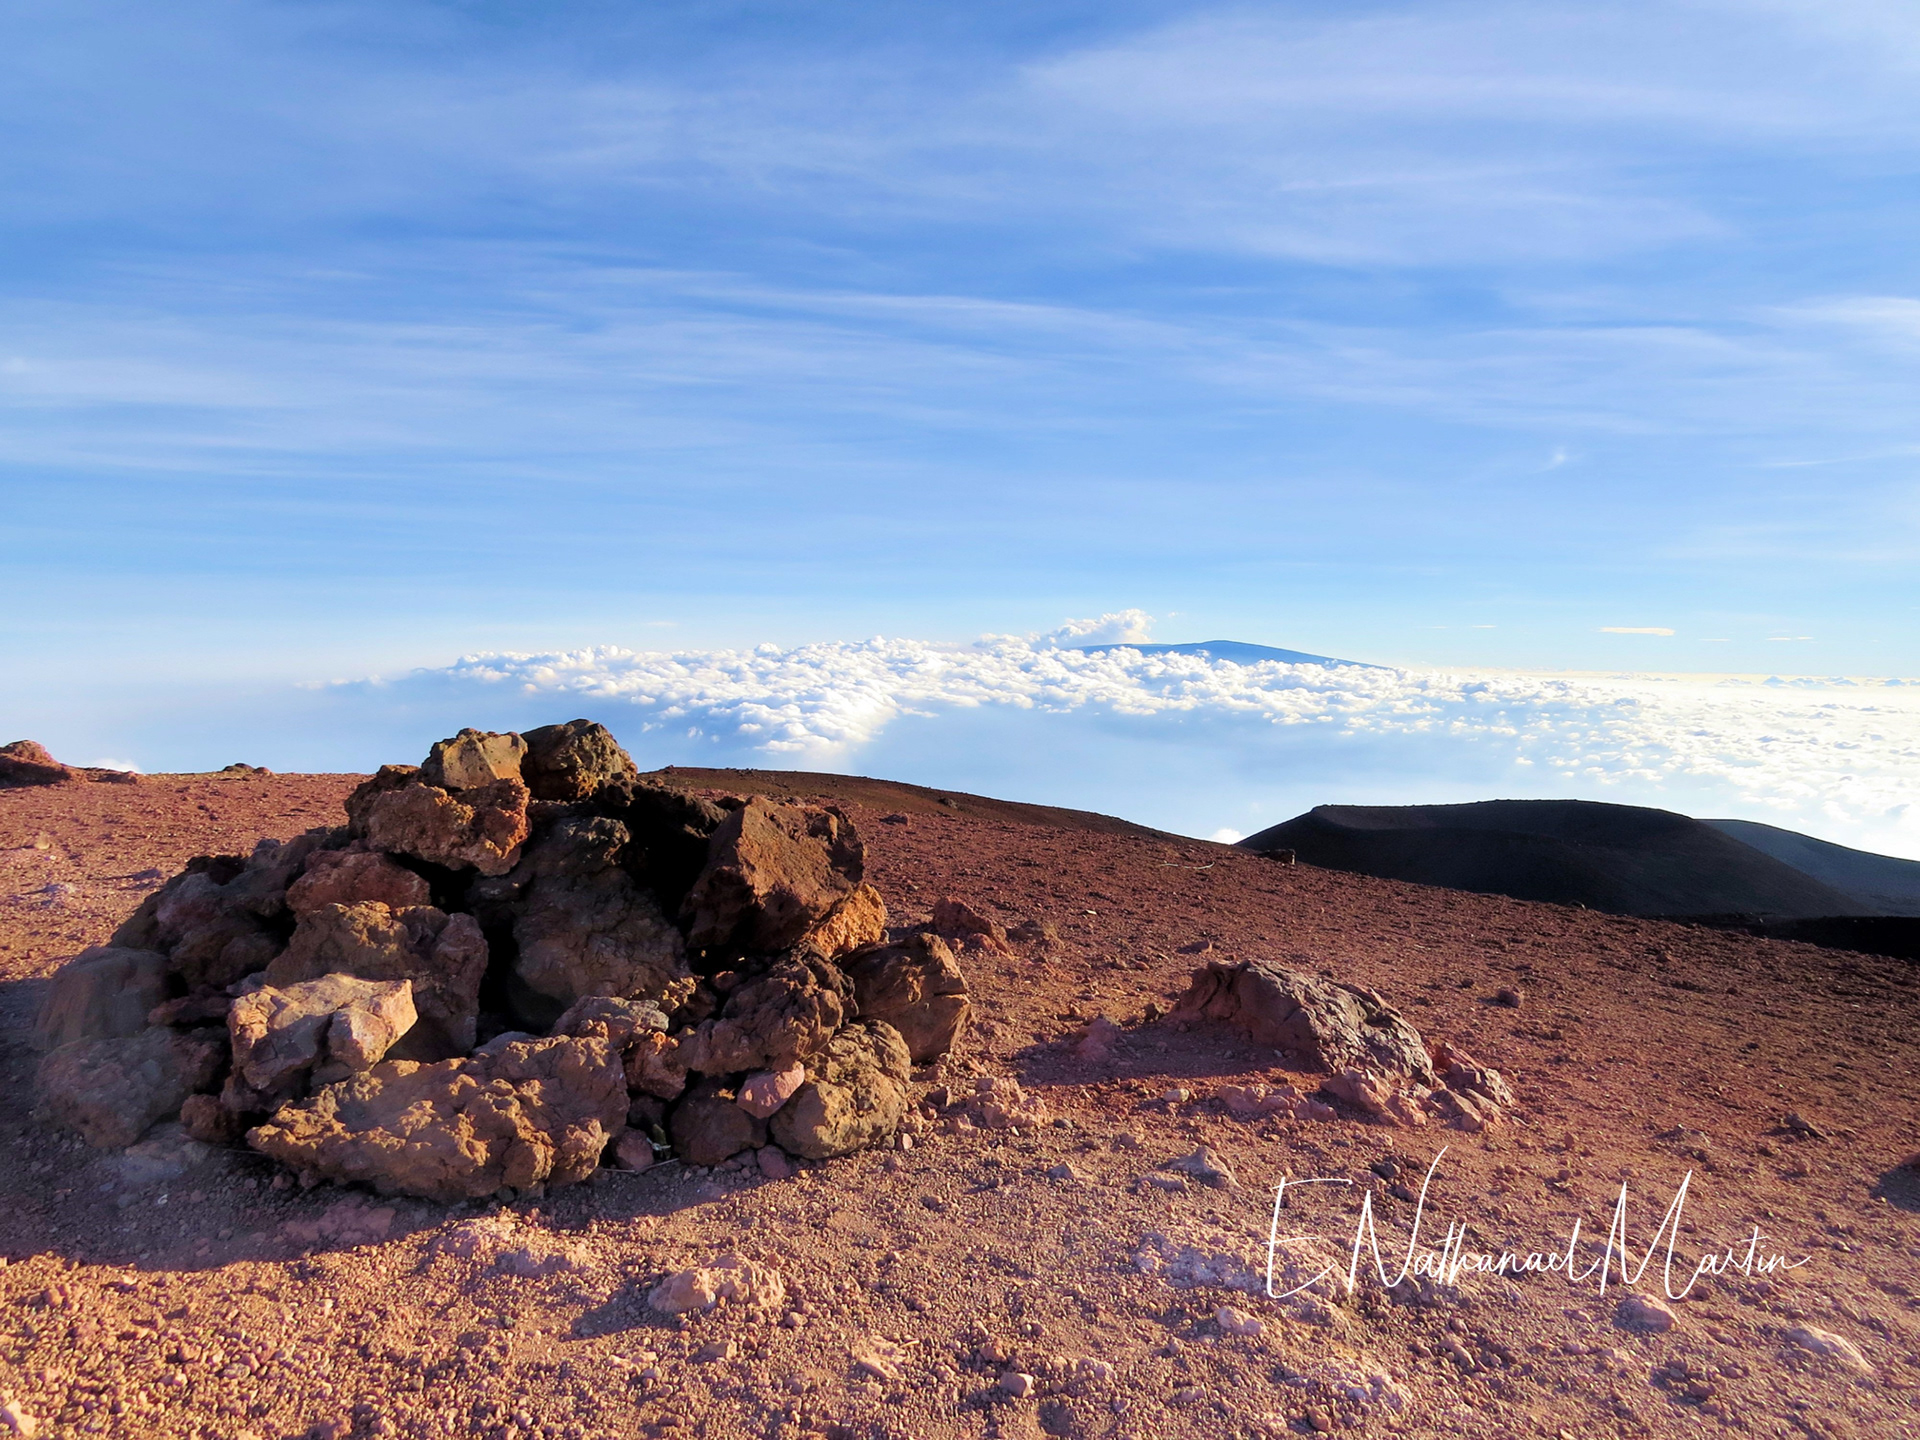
(170, 1292)
(1882, 884)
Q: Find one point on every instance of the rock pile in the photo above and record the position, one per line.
(517, 961)
(1374, 1060)
(26, 762)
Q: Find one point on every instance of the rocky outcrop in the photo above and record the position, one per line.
(786, 1014)
(1323, 1024)
(224, 917)
(26, 762)
(354, 877)
(111, 1090)
(917, 988)
(479, 829)
(855, 1095)
(774, 871)
(581, 926)
(961, 923)
(314, 1032)
(574, 761)
(101, 994)
(538, 1112)
(443, 956)
(473, 758)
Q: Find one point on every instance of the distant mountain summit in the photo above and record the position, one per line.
(1624, 859)
(1884, 884)
(1238, 652)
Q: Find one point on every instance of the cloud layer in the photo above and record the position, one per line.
(1198, 745)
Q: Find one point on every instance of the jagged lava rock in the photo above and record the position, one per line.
(445, 956)
(354, 877)
(479, 829)
(573, 761)
(537, 1112)
(1328, 1025)
(473, 758)
(112, 1090)
(858, 921)
(708, 1126)
(855, 1095)
(103, 993)
(775, 870)
(223, 917)
(319, 1030)
(786, 1014)
(672, 832)
(916, 987)
(581, 925)
(608, 1017)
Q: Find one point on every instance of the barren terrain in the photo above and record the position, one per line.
(1050, 1278)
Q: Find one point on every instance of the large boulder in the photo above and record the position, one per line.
(314, 1032)
(536, 1112)
(26, 762)
(353, 877)
(917, 988)
(572, 761)
(708, 1126)
(785, 1014)
(479, 829)
(855, 1095)
(101, 994)
(473, 758)
(224, 916)
(774, 871)
(581, 926)
(112, 1090)
(444, 956)
(1326, 1025)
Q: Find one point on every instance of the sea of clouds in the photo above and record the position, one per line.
(1212, 748)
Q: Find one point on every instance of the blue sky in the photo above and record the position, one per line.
(339, 339)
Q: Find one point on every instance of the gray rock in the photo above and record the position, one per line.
(572, 761)
(112, 1090)
(317, 1031)
(101, 994)
(1330, 1026)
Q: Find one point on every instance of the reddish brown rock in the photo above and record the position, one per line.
(774, 871)
(112, 1090)
(316, 1031)
(765, 1091)
(653, 1066)
(538, 1112)
(582, 927)
(917, 988)
(608, 1017)
(473, 758)
(958, 921)
(1324, 1024)
(786, 1014)
(26, 762)
(224, 917)
(859, 920)
(480, 829)
(353, 877)
(708, 1126)
(855, 1095)
(444, 956)
(101, 994)
(573, 761)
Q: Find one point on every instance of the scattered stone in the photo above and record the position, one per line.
(634, 1151)
(1237, 1323)
(1508, 996)
(1097, 1041)
(709, 1126)
(111, 1090)
(1017, 1384)
(1259, 1102)
(541, 1112)
(1065, 1171)
(916, 987)
(715, 1350)
(730, 1280)
(774, 1163)
(104, 993)
(1205, 1164)
(1646, 1313)
(1801, 1125)
(957, 920)
(1831, 1346)
(14, 1417)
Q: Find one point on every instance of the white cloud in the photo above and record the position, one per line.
(1189, 743)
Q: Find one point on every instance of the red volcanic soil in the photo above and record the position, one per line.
(179, 1291)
